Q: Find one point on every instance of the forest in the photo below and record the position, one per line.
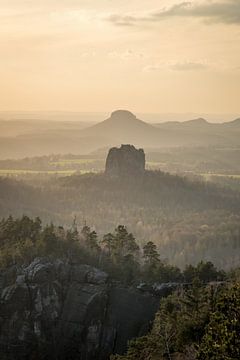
(23, 239)
(188, 220)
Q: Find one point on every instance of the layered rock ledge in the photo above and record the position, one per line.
(56, 310)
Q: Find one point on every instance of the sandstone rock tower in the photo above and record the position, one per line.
(125, 161)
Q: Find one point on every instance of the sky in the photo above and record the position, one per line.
(154, 56)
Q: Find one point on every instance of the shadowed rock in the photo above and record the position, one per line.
(56, 310)
(124, 161)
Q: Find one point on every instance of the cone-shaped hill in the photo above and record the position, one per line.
(125, 127)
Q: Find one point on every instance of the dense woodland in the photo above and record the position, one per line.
(189, 221)
(117, 252)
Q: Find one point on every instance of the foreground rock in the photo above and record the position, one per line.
(54, 310)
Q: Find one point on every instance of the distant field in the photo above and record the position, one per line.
(11, 172)
(64, 167)
(231, 181)
(69, 162)
(47, 166)
(209, 176)
(64, 162)
(155, 164)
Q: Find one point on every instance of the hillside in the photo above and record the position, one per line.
(189, 221)
(22, 139)
(123, 127)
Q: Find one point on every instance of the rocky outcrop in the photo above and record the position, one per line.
(56, 310)
(124, 161)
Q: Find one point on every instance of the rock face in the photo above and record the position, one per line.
(124, 161)
(55, 310)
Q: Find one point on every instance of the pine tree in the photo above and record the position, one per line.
(152, 262)
(90, 239)
(222, 338)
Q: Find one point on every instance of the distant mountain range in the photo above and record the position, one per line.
(198, 122)
(32, 138)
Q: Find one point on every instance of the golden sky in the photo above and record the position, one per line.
(100, 55)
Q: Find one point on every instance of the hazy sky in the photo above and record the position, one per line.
(100, 55)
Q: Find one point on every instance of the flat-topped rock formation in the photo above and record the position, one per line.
(124, 161)
(122, 115)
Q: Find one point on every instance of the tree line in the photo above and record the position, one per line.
(118, 253)
(188, 221)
